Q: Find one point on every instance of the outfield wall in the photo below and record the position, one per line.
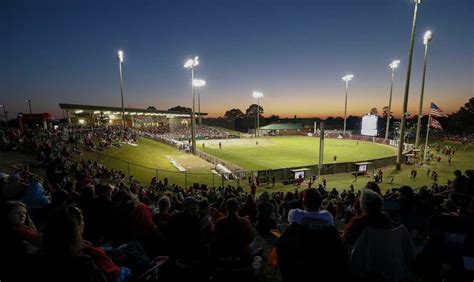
(334, 168)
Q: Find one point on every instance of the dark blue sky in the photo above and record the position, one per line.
(295, 52)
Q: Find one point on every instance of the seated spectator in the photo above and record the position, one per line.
(34, 196)
(233, 234)
(265, 214)
(311, 213)
(133, 222)
(185, 232)
(13, 188)
(97, 219)
(16, 221)
(249, 209)
(163, 217)
(63, 243)
(371, 204)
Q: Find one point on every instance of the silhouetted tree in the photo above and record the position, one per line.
(252, 110)
(233, 114)
(180, 109)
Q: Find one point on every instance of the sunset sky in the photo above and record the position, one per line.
(293, 51)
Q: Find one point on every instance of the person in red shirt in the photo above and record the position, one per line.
(371, 204)
(16, 220)
(233, 234)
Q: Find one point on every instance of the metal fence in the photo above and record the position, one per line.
(145, 174)
(334, 168)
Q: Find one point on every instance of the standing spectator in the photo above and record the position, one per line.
(273, 180)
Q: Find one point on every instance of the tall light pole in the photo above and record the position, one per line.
(198, 83)
(257, 95)
(393, 65)
(4, 113)
(29, 105)
(120, 60)
(401, 138)
(191, 64)
(346, 78)
(426, 40)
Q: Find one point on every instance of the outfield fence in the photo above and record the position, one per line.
(326, 169)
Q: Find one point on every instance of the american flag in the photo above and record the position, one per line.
(435, 111)
(435, 124)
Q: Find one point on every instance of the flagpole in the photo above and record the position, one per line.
(427, 134)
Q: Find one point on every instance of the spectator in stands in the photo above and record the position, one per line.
(459, 184)
(15, 221)
(63, 239)
(233, 234)
(249, 209)
(311, 214)
(265, 214)
(98, 216)
(185, 232)
(14, 188)
(132, 221)
(163, 217)
(371, 204)
(34, 196)
(207, 224)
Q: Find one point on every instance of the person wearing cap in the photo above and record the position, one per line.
(311, 213)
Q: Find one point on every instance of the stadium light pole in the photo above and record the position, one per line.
(199, 83)
(120, 60)
(426, 40)
(29, 105)
(257, 95)
(407, 89)
(346, 78)
(393, 65)
(191, 64)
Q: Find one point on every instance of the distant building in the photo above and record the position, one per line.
(282, 128)
(134, 117)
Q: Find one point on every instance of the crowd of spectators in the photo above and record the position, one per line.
(104, 226)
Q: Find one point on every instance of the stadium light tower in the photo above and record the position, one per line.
(191, 64)
(120, 60)
(426, 40)
(393, 65)
(4, 113)
(199, 83)
(257, 95)
(346, 78)
(407, 89)
(29, 105)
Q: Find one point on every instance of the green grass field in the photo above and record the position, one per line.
(291, 151)
(149, 159)
(153, 154)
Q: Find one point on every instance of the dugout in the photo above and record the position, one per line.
(362, 168)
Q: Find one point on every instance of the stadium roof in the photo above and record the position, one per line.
(282, 126)
(78, 107)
